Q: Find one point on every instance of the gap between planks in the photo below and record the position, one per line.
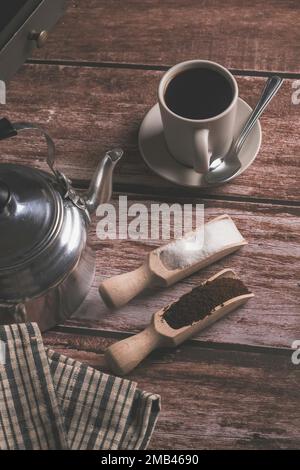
(154, 67)
(139, 190)
(119, 335)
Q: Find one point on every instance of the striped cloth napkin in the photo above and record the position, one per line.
(49, 401)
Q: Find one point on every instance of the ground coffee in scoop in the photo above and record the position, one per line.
(202, 300)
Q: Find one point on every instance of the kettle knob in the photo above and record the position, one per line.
(40, 38)
(4, 196)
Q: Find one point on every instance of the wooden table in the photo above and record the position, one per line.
(235, 386)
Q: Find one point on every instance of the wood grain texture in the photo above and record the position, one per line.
(210, 399)
(247, 34)
(89, 110)
(269, 265)
(226, 389)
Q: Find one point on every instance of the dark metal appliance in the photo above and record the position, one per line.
(24, 25)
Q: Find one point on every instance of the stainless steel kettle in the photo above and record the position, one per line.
(46, 263)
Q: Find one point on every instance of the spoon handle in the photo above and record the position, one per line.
(272, 86)
(118, 290)
(122, 357)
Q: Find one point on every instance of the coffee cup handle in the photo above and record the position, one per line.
(202, 153)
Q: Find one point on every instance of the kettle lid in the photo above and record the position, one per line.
(30, 213)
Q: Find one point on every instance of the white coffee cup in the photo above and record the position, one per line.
(196, 142)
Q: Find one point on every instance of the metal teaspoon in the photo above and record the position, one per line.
(224, 169)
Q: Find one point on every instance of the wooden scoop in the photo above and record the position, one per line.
(221, 237)
(123, 356)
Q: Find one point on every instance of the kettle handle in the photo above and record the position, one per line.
(7, 130)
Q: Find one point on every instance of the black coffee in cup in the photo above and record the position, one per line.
(198, 93)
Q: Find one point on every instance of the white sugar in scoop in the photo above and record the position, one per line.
(200, 244)
(169, 264)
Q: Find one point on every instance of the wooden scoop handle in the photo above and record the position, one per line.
(124, 356)
(119, 290)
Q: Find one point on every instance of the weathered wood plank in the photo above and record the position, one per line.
(210, 399)
(90, 110)
(269, 265)
(248, 34)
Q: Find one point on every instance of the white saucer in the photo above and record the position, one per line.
(157, 156)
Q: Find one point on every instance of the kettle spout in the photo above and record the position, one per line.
(100, 190)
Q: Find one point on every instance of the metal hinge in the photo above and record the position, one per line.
(71, 194)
